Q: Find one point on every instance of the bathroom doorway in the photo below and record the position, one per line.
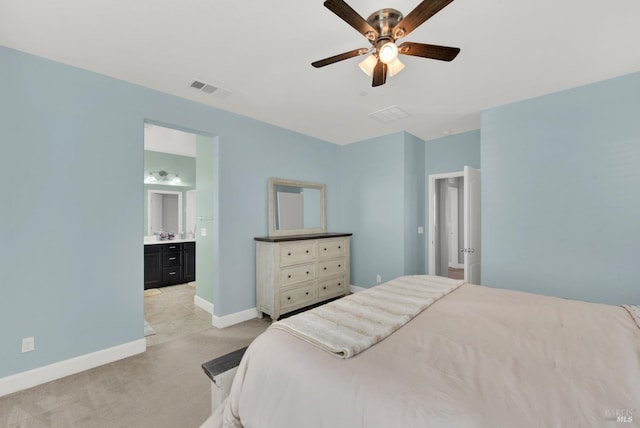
(454, 225)
(178, 231)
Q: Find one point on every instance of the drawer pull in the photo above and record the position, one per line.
(307, 272)
(307, 251)
(325, 249)
(339, 247)
(289, 276)
(289, 298)
(339, 265)
(172, 273)
(324, 288)
(307, 293)
(172, 258)
(288, 254)
(339, 284)
(325, 268)
(172, 247)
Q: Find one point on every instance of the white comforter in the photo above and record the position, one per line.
(479, 357)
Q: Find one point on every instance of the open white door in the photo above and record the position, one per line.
(472, 255)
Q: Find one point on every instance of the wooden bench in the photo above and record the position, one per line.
(221, 371)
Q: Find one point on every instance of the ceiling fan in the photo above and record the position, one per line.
(382, 29)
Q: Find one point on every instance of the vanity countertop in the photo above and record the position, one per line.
(154, 241)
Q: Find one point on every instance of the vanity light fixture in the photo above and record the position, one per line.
(163, 177)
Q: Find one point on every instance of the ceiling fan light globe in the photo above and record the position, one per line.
(395, 67)
(388, 52)
(368, 64)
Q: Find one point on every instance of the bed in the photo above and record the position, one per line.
(476, 357)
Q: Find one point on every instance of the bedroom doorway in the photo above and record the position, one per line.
(454, 225)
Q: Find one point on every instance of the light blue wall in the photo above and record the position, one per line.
(449, 154)
(560, 193)
(383, 201)
(207, 267)
(373, 207)
(452, 153)
(414, 205)
(256, 153)
(72, 258)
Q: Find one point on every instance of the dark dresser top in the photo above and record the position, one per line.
(300, 237)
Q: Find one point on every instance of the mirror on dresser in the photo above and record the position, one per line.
(296, 207)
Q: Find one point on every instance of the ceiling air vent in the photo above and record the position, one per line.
(210, 89)
(197, 85)
(389, 114)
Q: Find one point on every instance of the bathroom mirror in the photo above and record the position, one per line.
(296, 207)
(164, 211)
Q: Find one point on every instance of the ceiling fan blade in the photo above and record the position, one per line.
(341, 57)
(379, 74)
(351, 17)
(443, 53)
(417, 16)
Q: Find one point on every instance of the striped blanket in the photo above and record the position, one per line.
(350, 325)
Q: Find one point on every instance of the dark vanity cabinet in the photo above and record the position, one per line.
(189, 261)
(152, 266)
(168, 264)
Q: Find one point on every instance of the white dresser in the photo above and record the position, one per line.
(297, 271)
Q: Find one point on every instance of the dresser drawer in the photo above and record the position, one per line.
(332, 286)
(296, 274)
(331, 248)
(297, 295)
(291, 254)
(332, 267)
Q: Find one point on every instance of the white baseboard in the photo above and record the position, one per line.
(235, 318)
(40, 375)
(203, 304)
(356, 289)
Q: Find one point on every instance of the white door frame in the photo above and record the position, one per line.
(432, 215)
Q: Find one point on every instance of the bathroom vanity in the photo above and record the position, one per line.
(169, 262)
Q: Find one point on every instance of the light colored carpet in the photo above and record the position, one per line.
(163, 388)
(173, 314)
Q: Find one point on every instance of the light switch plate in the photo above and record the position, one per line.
(203, 231)
(420, 230)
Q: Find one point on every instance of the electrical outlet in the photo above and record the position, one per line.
(203, 231)
(378, 279)
(28, 344)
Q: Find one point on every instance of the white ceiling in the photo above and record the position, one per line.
(261, 52)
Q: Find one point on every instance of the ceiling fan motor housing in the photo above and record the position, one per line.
(383, 21)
